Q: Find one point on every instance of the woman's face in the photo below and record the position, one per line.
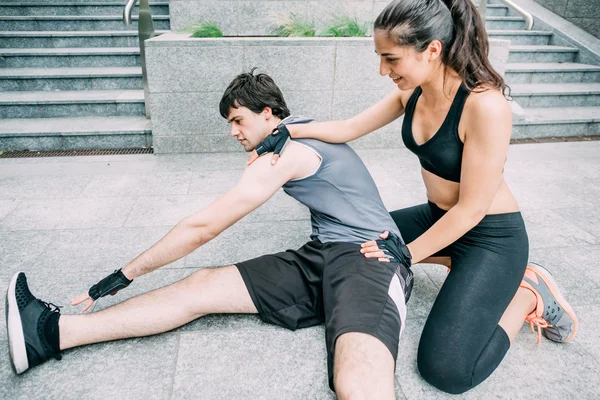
(407, 68)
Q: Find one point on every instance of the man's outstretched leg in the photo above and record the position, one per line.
(364, 368)
(37, 332)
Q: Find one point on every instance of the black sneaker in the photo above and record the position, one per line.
(26, 317)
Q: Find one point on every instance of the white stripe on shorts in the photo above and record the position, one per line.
(397, 294)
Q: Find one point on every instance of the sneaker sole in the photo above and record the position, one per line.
(16, 339)
(553, 286)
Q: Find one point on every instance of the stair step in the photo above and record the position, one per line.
(519, 36)
(498, 10)
(509, 22)
(552, 72)
(541, 54)
(50, 79)
(75, 133)
(556, 94)
(76, 8)
(61, 39)
(558, 121)
(70, 57)
(76, 22)
(71, 103)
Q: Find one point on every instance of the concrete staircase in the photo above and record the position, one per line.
(70, 75)
(559, 95)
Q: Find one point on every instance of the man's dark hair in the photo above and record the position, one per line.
(254, 92)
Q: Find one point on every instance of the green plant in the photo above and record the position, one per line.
(206, 30)
(292, 25)
(345, 26)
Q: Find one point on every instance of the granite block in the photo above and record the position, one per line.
(589, 25)
(588, 335)
(569, 266)
(195, 144)
(316, 104)
(547, 229)
(185, 13)
(141, 369)
(214, 181)
(69, 214)
(36, 187)
(296, 364)
(129, 185)
(98, 249)
(556, 6)
(261, 18)
(357, 68)
(588, 219)
(293, 68)
(582, 9)
(324, 13)
(192, 69)
(194, 113)
(6, 207)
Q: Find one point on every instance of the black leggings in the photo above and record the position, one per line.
(462, 343)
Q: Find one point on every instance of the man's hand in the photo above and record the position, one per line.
(275, 143)
(109, 285)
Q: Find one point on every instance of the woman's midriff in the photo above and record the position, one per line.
(444, 194)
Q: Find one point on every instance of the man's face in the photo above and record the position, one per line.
(247, 127)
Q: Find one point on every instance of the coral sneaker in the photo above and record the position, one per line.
(552, 315)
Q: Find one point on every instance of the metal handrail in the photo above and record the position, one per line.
(527, 16)
(145, 31)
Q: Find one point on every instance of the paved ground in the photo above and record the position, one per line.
(69, 221)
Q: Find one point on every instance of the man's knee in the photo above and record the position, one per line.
(364, 368)
(445, 372)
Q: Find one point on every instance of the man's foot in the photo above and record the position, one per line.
(552, 314)
(26, 319)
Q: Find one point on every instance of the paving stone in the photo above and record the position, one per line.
(69, 214)
(148, 364)
(155, 184)
(276, 363)
(35, 187)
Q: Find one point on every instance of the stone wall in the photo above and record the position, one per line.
(583, 13)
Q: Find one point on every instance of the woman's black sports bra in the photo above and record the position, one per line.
(442, 153)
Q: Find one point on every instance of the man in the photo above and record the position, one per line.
(328, 280)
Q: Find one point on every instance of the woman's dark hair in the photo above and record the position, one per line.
(455, 23)
(254, 92)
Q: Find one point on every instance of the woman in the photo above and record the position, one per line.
(458, 122)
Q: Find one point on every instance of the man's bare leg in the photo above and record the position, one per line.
(207, 291)
(363, 368)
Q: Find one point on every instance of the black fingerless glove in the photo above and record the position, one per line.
(395, 250)
(109, 285)
(275, 142)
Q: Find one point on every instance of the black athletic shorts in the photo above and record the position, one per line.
(331, 283)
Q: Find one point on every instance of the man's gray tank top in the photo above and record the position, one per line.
(344, 203)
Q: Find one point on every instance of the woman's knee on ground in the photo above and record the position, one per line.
(451, 373)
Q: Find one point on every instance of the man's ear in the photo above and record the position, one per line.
(267, 112)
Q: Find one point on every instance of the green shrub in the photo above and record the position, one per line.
(293, 26)
(345, 26)
(206, 30)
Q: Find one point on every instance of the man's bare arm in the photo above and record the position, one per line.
(255, 187)
(258, 183)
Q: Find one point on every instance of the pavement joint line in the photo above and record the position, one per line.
(174, 375)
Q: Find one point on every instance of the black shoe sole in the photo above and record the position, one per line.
(16, 339)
